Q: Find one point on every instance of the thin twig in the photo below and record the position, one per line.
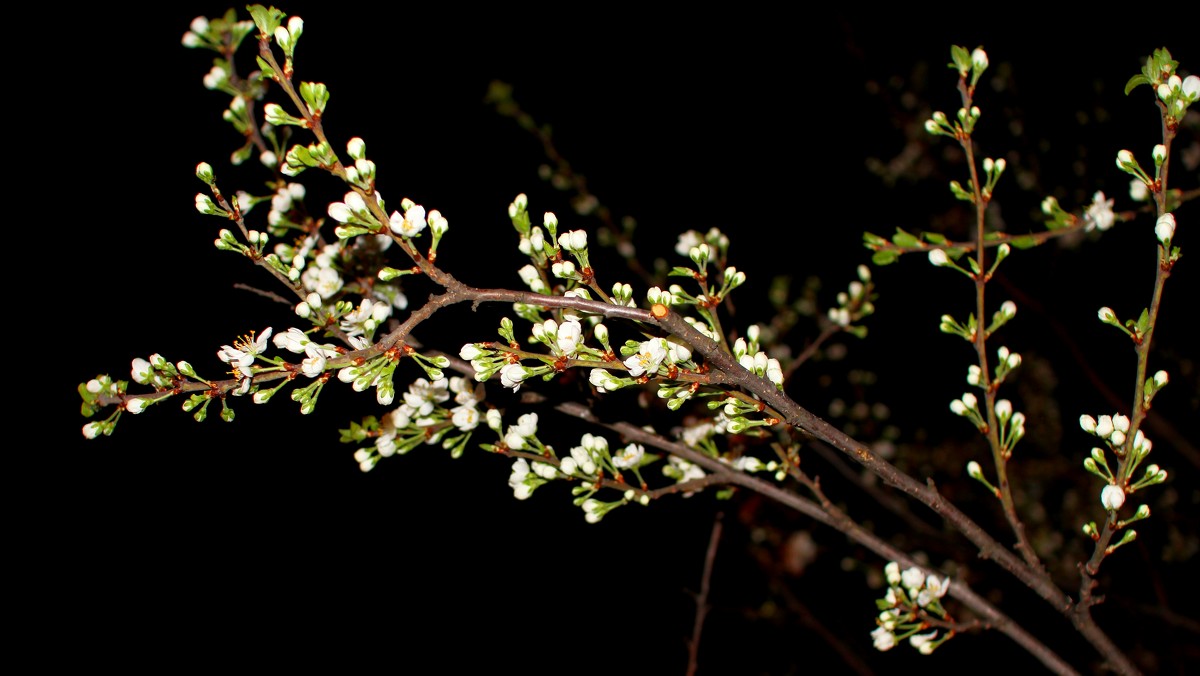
(710, 557)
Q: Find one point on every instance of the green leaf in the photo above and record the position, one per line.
(961, 58)
(265, 70)
(872, 240)
(1143, 322)
(1024, 242)
(906, 239)
(348, 231)
(885, 257)
(1135, 82)
(266, 19)
(316, 95)
(934, 238)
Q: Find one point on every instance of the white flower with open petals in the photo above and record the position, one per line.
(243, 351)
(410, 223)
(650, 354)
(630, 456)
(935, 588)
(313, 364)
(569, 337)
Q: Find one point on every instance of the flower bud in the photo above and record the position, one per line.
(1164, 229)
(1121, 422)
(1004, 409)
(1112, 497)
(204, 172)
(979, 59)
(1088, 423)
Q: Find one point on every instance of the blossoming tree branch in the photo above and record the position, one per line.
(348, 269)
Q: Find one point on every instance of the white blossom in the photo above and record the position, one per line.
(1138, 191)
(1100, 213)
(912, 579)
(1190, 88)
(649, 356)
(630, 457)
(1112, 497)
(1164, 228)
(141, 371)
(423, 396)
(569, 337)
(242, 353)
(923, 642)
(517, 480)
(686, 241)
(574, 240)
(979, 59)
(408, 224)
(512, 375)
(604, 381)
(883, 639)
(892, 572)
(935, 588)
(583, 460)
(465, 418)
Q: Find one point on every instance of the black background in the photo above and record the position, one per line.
(203, 542)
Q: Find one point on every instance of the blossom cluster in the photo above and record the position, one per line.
(1114, 431)
(424, 418)
(912, 598)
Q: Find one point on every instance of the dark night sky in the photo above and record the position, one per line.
(760, 124)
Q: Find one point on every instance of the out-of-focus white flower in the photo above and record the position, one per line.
(1138, 191)
(912, 579)
(883, 639)
(923, 642)
(892, 572)
(686, 241)
(1099, 213)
